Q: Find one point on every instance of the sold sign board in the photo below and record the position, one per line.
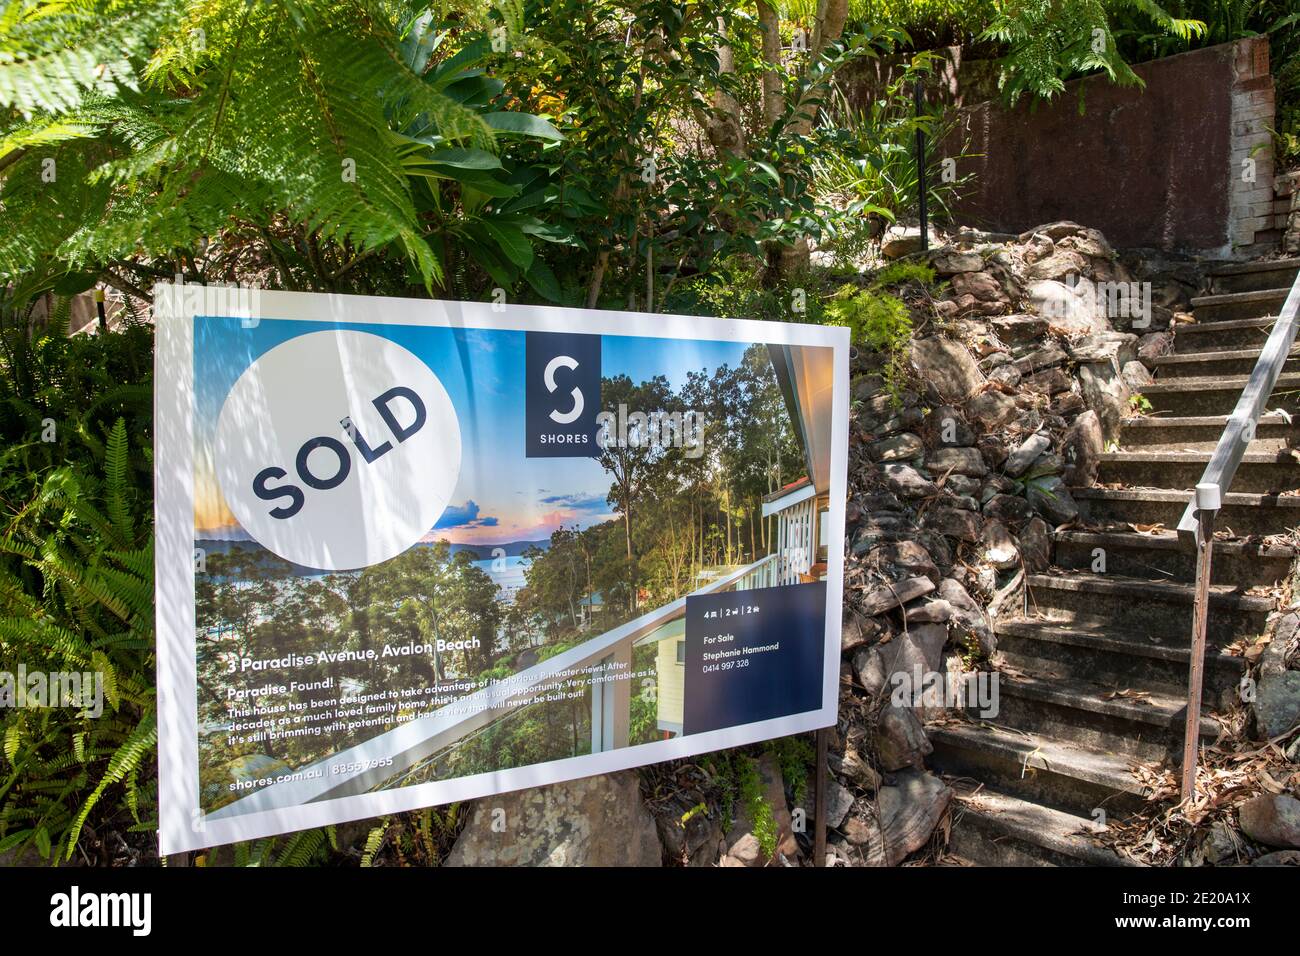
(415, 552)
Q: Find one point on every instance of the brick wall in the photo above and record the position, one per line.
(1160, 166)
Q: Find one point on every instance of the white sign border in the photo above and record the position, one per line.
(182, 824)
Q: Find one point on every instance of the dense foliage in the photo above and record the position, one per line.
(76, 589)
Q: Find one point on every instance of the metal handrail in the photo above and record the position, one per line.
(1196, 528)
(1240, 429)
(389, 754)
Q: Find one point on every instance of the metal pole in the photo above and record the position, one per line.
(819, 791)
(1207, 504)
(920, 169)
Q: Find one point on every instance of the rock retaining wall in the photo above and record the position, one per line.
(1022, 376)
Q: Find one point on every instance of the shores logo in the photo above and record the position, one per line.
(76, 909)
(561, 394)
(563, 415)
(337, 450)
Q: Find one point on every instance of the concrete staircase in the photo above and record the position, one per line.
(1094, 672)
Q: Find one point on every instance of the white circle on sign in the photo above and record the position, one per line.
(326, 494)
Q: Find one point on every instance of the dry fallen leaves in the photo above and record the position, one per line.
(1141, 696)
(1229, 773)
(1152, 529)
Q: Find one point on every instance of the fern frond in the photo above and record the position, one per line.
(374, 840)
(126, 758)
(115, 467)
(302, 848)
(50, 63)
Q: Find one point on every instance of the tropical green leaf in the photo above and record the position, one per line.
(522, 124)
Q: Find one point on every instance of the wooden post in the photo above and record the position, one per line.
(1207, 504)
(819, 789)
(922, 203)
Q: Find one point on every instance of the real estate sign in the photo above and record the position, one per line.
(413, 552)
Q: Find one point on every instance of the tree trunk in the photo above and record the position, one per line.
(828, 26)
(631, 572)
(724, 128)
(773, 82)
(621, 190)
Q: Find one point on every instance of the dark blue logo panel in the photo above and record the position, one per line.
(753, 655)
(562, 394)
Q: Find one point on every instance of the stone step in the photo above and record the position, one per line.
(1243, 564)
(1113, 657)
(1243, 514)
(1054, 773)
(1140, 723)
(1253, 276)
(1273, 433)
(994, 829)
(1221, 336)
(1225, 307)
(1260, 472)
(1191, 397)
(1160, 609)
(1234, 362)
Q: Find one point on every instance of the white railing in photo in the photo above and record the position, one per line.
(395, 752)
(795, 540)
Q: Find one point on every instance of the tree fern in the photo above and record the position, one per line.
(169, 122)
(1050, 41)
(53, 55)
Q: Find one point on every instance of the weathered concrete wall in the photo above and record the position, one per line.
(1162, 166)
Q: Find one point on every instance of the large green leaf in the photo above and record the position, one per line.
(476, 179)
(484, 250)
(522, 124)
(473, 90)
(543, 281)
(420, 42)
(512, 241)
(456, 66)
(468, 158)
